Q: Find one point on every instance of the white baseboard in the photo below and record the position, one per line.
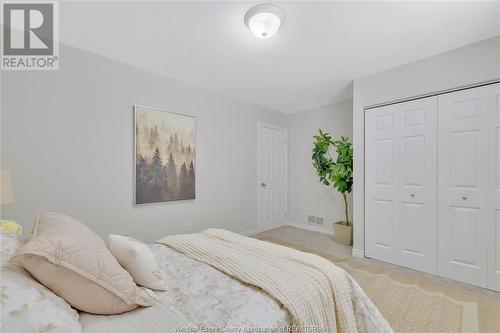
(358, 253)
(300, 225)
(258, 230)
(310, 227)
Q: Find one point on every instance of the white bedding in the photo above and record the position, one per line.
(318, 295)
(198, 296)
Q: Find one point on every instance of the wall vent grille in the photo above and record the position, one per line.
(320, 220)
(316, 220)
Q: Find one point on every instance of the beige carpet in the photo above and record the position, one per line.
(413, 305)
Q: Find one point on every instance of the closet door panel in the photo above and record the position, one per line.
(379, 184)
(400, 184)
(494, 234)
(416, 199)
(463, 185)
(412, 233)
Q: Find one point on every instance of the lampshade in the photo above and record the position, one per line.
(6, 193)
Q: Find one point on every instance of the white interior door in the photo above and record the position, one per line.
(494, 234)
(400, 184)
(463, 185)
(380, 184)
(272, 177)
(417, 184)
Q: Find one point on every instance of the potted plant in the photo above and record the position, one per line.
(336, 173)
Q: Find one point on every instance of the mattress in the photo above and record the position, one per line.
(197, 297)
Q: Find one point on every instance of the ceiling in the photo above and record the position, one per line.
(312, 61)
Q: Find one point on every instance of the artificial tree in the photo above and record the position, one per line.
(334, 172)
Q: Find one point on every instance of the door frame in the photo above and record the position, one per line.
(260, 226)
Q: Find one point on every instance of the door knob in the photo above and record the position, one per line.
(263, 185)
(412, 195)
(464, 198)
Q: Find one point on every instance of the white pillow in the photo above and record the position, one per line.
(29, 307)
(138, 260)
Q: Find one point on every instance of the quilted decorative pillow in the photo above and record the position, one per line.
(29, 307)
(138, 260)
(72, 261)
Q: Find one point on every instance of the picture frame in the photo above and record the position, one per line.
(164, 156)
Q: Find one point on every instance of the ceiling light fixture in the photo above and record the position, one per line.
(264, 20)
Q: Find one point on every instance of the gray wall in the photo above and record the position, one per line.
(468, 65)
(306, 194)
(67, 139)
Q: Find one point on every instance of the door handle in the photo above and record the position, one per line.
(263, 185)
(412, 195)
(464, 198)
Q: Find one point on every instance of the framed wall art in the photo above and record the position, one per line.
(165, 156)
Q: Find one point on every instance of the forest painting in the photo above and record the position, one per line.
(165, 155)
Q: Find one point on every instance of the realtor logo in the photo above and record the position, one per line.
(30, 36)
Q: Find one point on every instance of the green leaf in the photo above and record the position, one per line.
(337, 171)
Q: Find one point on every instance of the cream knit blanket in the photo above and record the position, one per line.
(318, 295)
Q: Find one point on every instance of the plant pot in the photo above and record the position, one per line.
(342, 233)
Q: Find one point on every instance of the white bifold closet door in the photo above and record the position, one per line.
(494, 159)
(463, 188)
(400, 184)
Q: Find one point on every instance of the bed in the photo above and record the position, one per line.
(198, 296)
(201, 298)
(217, 281)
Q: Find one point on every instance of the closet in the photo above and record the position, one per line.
(432, 185)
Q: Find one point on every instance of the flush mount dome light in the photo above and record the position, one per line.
(264, 20)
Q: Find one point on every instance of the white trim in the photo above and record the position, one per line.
(435, 93)
(275, 127)
(261, 228)
(300, 225)
(258, 230)
(358, 253)
(310, 227)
